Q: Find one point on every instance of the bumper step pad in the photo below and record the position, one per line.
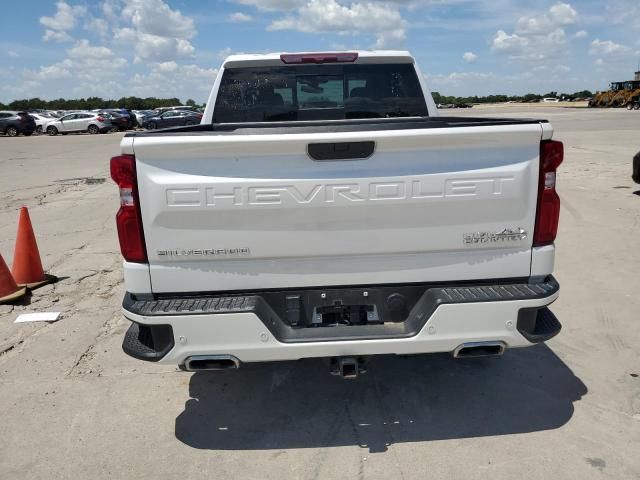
(538, 325)
(148, 342)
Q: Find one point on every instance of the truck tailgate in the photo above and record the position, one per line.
(255, 211)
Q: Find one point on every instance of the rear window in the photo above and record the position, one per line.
(319, 92)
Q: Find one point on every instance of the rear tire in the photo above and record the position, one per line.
(189, 122)
(53, 131)
(12, 131)
(93, 129)
(39, 129)
(151, 126)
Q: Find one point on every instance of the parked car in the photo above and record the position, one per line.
(14, 123)
(386, 242)
(179, 107)
(79, 122)
(118, 121)
(550, 100)
(636, 168)
(126, 118)
(142, 114)
(41, 120)
(172, 118)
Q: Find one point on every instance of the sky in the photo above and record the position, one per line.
(173, 48)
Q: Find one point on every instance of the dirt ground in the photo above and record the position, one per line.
(73, 406)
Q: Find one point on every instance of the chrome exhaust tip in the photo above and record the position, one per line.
(480, 349)
(199, 363)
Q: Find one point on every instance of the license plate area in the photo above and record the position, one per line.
(340, 314)
(344, 307)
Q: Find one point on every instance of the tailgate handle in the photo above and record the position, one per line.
(340, 150)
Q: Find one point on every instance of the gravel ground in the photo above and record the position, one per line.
(74, 406)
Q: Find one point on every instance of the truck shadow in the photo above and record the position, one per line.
(400, 399)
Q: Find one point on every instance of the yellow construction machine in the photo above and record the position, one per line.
(621, 94)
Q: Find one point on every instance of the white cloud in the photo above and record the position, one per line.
(457, 78)
(84, 64)
(224, 53)
(580, 34)
(155, 17)
(161, 81)
(563, 13)
(607, 47)
(56, 70)
(62, 21)
(623, 12)
(84, 50)
(560, 14)
(511, 44)
(382, 20)
(469, 57)
(98, 26)
(540, 79)
(239, 17)
(154, 31)
(64, 18)
(166, 67)
(56, 36)
(13, 54)
(153, 48)
(537, 37)
(271, 5)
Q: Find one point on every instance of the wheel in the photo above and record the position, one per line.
(39, 129)
(151, 126)
(93, 129)
(52, 131)
(12, 131)
(637, 106)
(189, 122)
(630, 106)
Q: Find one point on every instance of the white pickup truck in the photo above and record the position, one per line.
(323, 208)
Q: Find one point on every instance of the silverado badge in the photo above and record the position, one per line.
(506, 235)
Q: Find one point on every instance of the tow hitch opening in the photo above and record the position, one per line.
(347, 367)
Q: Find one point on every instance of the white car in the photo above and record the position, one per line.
(550, 100)
(41, 120)
(324, 209)
(79, 122)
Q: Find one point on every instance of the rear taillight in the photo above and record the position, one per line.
(548, 212)
(342, 57)
(128, 218)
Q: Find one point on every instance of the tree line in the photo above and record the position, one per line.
(529, 97)
(92, 103)
(149, 103)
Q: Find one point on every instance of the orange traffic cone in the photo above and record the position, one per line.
(9, 290)
(27, 267)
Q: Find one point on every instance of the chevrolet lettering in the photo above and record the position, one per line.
(331, 193)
